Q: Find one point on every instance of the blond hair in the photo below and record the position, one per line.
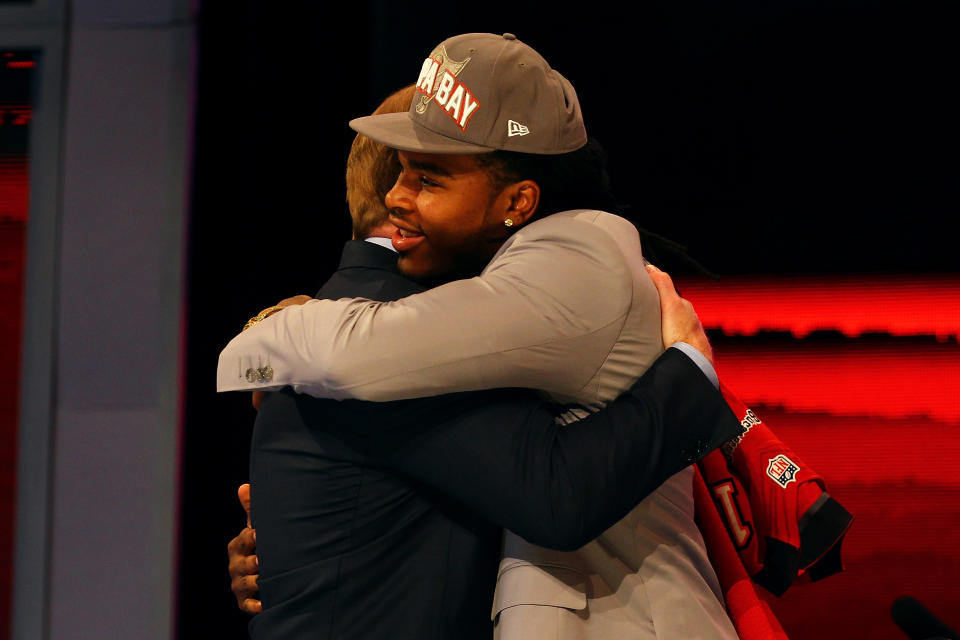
(372, 169)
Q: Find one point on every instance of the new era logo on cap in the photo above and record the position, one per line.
(514, 128)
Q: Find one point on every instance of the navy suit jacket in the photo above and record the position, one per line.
(383, 520)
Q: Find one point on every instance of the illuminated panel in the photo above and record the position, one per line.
(848, 373)
(16, 114)
(13, 187)
(897, 305)
(895, 476)
(16, 73)
(847, 378)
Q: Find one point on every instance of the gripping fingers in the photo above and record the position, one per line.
(243, 568)
(245, 589)
(251, 606)
(243, 545)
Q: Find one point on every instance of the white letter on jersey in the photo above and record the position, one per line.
(738, 529)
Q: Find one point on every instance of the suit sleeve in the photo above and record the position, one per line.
(561, 486)
(543, 315)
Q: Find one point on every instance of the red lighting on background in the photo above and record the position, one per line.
(853, 306)
(848, 379)
(860, 375)
(21, 64)
(15, 115)
(863, 370)
(14, 190)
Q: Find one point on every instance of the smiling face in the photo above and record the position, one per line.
(449, 216)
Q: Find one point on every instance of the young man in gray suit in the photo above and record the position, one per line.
(580, 317)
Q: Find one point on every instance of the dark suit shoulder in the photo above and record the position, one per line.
(368, 271)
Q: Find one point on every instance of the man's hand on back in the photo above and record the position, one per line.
(241, 552)
(679, 322)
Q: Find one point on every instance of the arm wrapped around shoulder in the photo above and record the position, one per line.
(542, 315)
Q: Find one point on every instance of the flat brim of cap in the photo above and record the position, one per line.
(399, 131)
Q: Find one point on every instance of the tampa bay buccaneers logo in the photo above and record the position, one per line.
(438, 83)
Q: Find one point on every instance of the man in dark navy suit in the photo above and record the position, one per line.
(384, 519)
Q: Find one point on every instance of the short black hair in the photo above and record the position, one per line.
(579, 180)
(574, 180)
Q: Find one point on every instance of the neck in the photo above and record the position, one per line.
(383, 230)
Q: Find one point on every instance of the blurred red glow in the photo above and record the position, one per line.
(897, 305)
(913, 381)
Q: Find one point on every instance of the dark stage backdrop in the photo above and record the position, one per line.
(775, 140)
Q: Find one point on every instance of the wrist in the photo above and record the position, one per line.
(699, 359)
(266, 313)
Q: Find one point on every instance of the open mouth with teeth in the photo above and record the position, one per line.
(405, 240)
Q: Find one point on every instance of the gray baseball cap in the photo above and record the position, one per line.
(481, 92)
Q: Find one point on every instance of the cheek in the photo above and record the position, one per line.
(457, 229)
(447, 244)
(450, 222)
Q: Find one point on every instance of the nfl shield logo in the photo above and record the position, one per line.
(782, 470)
